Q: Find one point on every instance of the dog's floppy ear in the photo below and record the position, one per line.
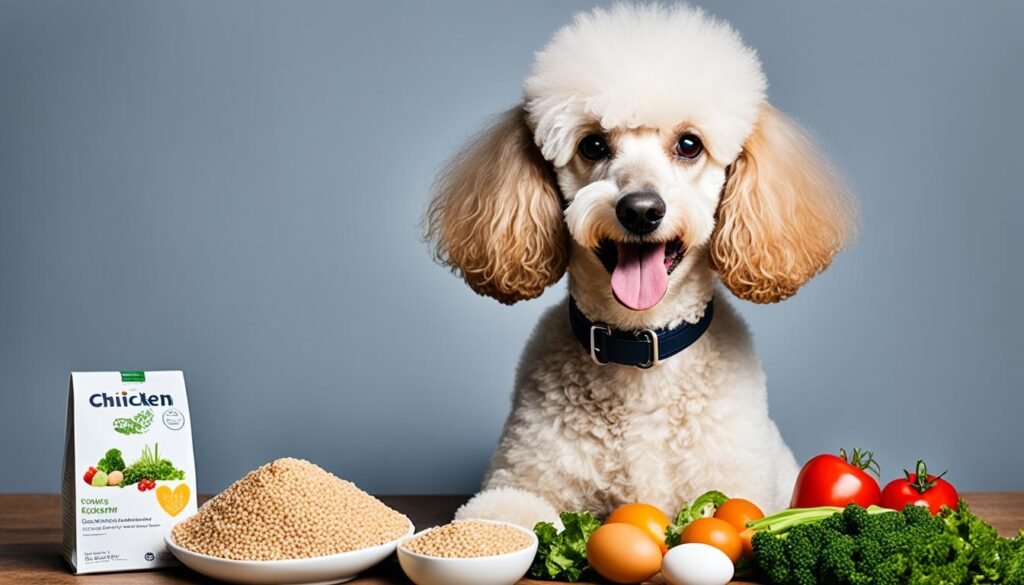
(496, 217)
(783, 215)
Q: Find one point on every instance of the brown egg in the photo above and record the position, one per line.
(623, 553)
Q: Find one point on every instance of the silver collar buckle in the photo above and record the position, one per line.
(652, 341)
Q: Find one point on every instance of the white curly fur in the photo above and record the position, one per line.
(587, 437)
(644, 65)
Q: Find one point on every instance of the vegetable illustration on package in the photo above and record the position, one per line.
(112, 461)
(135, 425)
(151, 466)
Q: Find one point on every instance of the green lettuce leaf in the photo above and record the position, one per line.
(563, 555)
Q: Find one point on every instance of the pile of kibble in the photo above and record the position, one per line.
(468, 538)
(289, 509)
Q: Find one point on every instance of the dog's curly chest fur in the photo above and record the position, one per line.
(588, 437)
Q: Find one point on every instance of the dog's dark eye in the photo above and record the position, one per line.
(594, 148)
(689, 146)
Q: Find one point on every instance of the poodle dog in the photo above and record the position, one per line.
(646, 162)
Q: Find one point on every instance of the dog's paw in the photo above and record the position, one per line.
(509, 504)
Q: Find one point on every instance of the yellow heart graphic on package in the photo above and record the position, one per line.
(173, 501)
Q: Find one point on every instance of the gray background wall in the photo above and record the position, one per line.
(233, 189)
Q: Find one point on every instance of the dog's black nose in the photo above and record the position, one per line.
(640, 212)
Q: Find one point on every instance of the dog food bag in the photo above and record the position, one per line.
(129, 470)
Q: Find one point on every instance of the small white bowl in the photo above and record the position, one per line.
(503, 569)
(312, 571)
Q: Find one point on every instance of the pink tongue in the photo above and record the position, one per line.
(640, 277)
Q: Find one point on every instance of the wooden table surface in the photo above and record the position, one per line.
(30, 536)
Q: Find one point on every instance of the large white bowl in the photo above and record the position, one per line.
(313, 571)
(503, 569)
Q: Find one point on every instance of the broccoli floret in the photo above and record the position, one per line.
(834, 522)
(770, 558)
(896, 543)
(837, 558)
(885, 574)
(890, 523)
(871, 552)
(914, 515)
(803, 550)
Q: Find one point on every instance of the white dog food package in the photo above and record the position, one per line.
(129, 470)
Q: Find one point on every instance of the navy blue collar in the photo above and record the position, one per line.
(642, 349)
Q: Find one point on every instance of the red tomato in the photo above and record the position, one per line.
(920, 489)
(142, 485)
(828, 480)
(89, 473)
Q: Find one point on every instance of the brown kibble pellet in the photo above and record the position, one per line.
(289, 509)
(468, 538)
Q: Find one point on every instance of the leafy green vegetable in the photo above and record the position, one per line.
(112, 461)
(151, 466)
(702, 507)
(135, 425)
(563, 555)
(883, 547)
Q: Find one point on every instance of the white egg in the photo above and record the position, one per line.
(696, 564)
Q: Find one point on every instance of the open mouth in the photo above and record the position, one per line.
(639, 270)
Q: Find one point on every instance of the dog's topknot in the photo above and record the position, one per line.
(645, 65)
